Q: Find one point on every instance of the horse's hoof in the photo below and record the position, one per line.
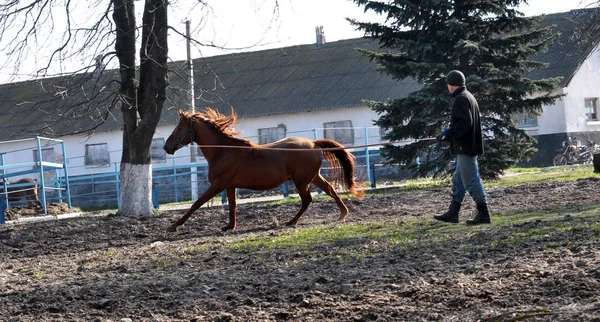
(342, 218)
(291, 223)
(172, 229)
(228, 227)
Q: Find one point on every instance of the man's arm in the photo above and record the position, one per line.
(463, 120)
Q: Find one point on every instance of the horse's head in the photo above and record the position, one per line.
(182, 135)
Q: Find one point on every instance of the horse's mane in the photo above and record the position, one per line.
(220, 122)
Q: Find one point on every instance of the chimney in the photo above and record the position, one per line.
(320, 35)
(99, 66)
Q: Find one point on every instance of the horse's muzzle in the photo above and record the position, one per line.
(170, 149)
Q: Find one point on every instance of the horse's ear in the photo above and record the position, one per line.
(182, 114)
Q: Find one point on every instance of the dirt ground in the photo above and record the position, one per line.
(25, 211)
(110, 268)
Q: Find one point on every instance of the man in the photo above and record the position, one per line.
(466, 142)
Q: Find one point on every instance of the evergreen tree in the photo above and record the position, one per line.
(490, 42)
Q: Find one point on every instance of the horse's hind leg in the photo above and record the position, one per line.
(320, 182)
(206, 196)
(232, 208)
(304, 192)
(33, 201)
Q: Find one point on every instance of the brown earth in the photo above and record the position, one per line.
(110, 268)
(52, 209)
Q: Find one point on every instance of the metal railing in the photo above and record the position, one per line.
(174, 182)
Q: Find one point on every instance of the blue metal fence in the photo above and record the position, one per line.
(173, 183)
(38, 166)
(172, 180)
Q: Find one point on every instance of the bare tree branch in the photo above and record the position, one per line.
(77, 35)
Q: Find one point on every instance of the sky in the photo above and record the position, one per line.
(243, 25)
(246, 26)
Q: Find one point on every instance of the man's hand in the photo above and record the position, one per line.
(442, 136)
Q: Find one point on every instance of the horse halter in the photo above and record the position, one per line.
(191, 134)
(191, 130)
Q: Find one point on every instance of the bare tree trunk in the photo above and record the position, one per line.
(90, 88)
(141, 107)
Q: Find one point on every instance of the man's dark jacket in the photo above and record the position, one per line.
(464, 132)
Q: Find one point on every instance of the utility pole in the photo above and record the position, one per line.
(190, 70)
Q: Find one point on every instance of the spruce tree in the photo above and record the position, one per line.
(490, 42)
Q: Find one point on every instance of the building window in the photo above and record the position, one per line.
(158, 153)
(271, 134)
(591, 109)
(97, 154)
(340, 131)
(525, 119)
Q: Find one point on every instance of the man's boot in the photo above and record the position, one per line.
(482, 217)
(451, 215)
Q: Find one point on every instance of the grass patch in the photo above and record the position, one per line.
(361, 239)
(571, 173)
(411, 185)
(215, 200)
(294, 199)
(330, 236)
(512, 177)
(93, 209)
(523, 170)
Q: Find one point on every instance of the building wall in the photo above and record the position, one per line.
(303, 125)
(309, 125)
(76, 152)
(297, 124)
(552, 120)
(566, 118)
(584, 84)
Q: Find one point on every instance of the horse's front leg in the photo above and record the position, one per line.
(231, 200)
(206, 196)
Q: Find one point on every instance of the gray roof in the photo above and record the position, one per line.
(278, 81)
(568, 52)
(296, 79)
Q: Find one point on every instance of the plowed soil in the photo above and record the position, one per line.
(53, 209)
(112, 268)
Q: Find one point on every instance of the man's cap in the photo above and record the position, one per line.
(455, 78)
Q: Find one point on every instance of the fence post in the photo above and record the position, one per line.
(155, 196)
(285, 189)
(373, 180)
(316, 137)
(66, 172)
(4, 194)
(224, 198)
(118, 184)
(367, 160)
(41, 173)
(2, 218)
(175, 181)
(58, 186)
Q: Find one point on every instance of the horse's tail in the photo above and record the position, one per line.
(338, 158)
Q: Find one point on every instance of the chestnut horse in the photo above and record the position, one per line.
(22, 192)
(238, 163)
